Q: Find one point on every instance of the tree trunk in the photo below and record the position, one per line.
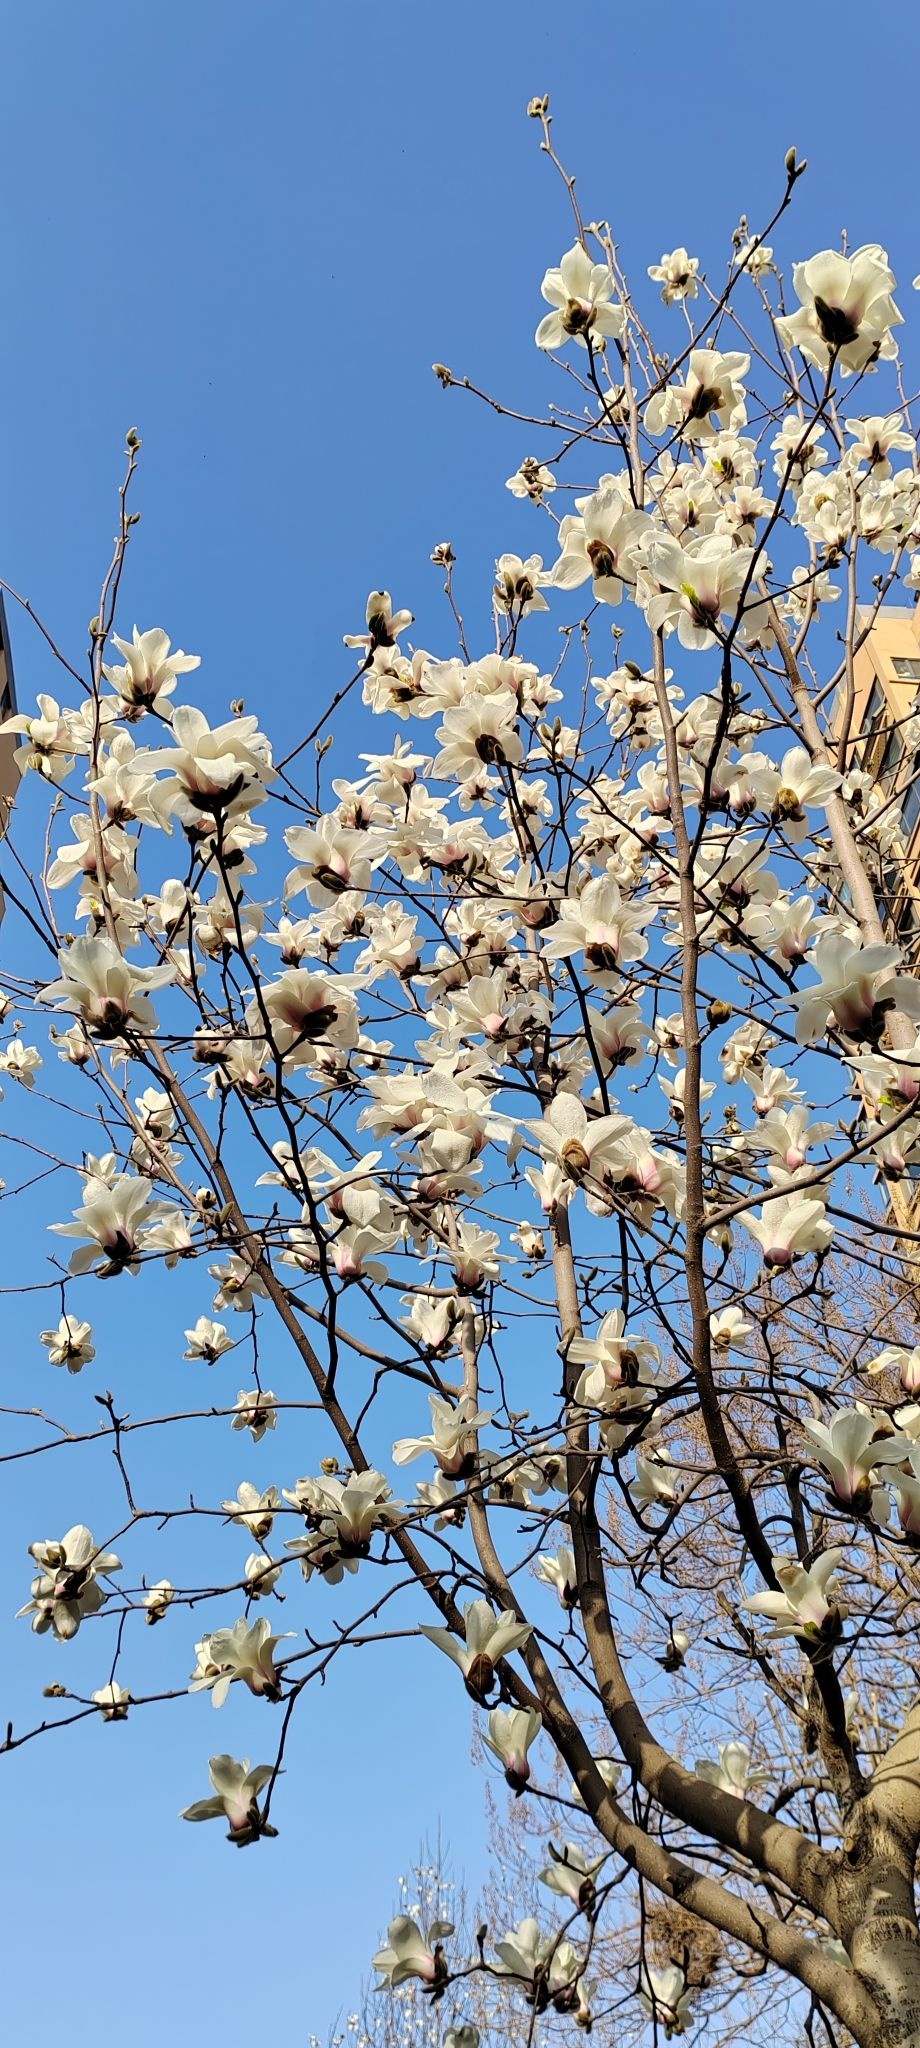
(879, 1925)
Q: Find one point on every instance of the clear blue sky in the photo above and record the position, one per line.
(250, 229)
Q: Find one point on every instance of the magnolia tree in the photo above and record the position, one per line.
(539, 1084)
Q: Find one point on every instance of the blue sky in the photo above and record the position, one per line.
(250, 230)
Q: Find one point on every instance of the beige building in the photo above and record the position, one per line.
(887, 693)
(887, 683)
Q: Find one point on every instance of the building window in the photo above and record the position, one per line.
(870, 737)
(887, 767)
(907, 669)
(910, 809)
(905, 922)
(872, 712)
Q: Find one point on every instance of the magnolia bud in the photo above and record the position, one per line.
(538, 108)
(444, 375)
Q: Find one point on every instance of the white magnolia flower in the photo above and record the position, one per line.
(444, 1499)
(76, 864)
(709, 401)
(49, 743)
(307, 1011)
(517, 585)
(728, 1329)
(489, 1637)
(432, 1322)
(214, 772)
(697, 583)
(906, 1489)
(755, 257)
(789, 1226)
(261, 1574)
(656, 1478)
(618, 1036)
(481, 732)
(238, 1282)
(787, 791)
(896, 1358)
(113, 1700)
(453, 1427)
(240, 1652)
(150, 672)
(608, 1770)
(875, 437)
(523, 1950)
(332, 859)
(676, 1648)
(237, 1785)
(601, 541)
(112, 1217)
(677, 275)
(409, 1953)
(71, 1344)
(856, 991)
(557, 1568)
(784, 930)
(538, 1958)
(585, 1148)
(473, 1257)
(603, 925)
(666, 1998)
(510, 1735)
(255, 1411)
(383, 624)
(743, 1052)
(733, 1771)
(108, 993)
(74, 1047)
(252, 1509)
(675, 1091)
(771, 1088)
(572, 1876)
(846, 309)
(208, 1340)
(806, 1603)
(788, 1137)
(345, 1513)
(532, 480)
(613, 1358)
(67, 1588)
(21, 1062)
(849, 1449)
(580, 293)
(157, 1599)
